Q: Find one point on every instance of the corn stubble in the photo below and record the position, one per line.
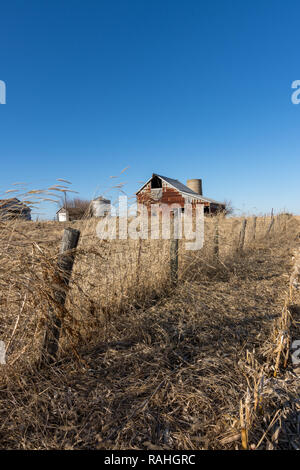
(143, 364)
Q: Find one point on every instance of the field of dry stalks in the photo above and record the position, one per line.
(143, 364)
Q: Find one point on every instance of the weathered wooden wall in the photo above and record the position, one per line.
(168, 195)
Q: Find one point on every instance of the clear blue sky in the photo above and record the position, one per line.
(188, 89)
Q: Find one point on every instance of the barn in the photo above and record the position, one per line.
(164, 190)
(13, 208)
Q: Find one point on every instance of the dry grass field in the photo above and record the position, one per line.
(143, 364)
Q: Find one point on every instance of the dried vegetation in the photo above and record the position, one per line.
(144, 365)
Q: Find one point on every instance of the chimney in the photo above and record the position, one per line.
(195, 185)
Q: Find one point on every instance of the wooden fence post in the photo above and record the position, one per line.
(174, 260)
(254, 228)
(271, 225)
(216, 239)
(138, 261)
(64, 269)
(174, 249)
(242, 235)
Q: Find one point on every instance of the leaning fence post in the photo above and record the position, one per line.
(64, 268)
(242, 234)
(271, 225)
(254, 227)
(174, 260)
(174, 249)
(216, 238)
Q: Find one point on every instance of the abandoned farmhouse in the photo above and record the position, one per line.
(162, 190)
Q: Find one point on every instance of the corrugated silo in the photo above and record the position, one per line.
(100, 207)
(195, 185)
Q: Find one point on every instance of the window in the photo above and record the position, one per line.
(156, 183)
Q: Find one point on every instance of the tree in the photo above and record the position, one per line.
(229, 209)
(75, 203)
(78, 203)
